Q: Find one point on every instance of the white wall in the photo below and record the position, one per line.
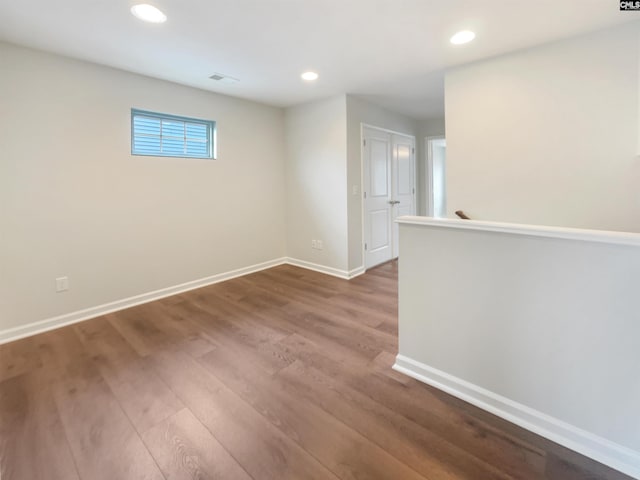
(316, 169)
(74, 202)
(360, 111)
(549, 319)
(323, 168)
(548, 135)
(432, 128)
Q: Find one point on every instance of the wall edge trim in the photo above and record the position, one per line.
(41, 326)
(579, 234)
(586, 443)
(335, 272)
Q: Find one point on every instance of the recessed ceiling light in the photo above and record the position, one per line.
(148, 13)
(465, 36)
(309, 76)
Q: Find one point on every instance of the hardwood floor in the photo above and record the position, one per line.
(282, 374)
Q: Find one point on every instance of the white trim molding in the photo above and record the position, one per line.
(593, 446)
(599, 236)
(34, 328)
(356, 272)
(335, 272)
(42, 326)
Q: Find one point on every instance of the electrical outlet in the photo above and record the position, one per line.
(62, 284)
(319, 244)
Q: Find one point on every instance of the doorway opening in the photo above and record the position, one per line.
(389, 190)
(435, 179)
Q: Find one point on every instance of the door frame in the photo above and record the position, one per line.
(364, 125)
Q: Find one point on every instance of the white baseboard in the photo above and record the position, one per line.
(356, 272)
(593, 446)
(67, 319)
(344, 274)
(34, 328)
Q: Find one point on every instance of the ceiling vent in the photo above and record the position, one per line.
(219, 77)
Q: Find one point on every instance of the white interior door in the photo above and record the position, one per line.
(377, 197)
(388, 189)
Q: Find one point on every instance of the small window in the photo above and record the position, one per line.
(161, 135)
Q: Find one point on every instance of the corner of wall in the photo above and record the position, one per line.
(316, 183)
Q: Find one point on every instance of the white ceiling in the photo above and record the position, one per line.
(392, 52)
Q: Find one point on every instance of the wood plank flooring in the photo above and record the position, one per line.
(282, 374)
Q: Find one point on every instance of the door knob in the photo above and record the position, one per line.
(393, 202)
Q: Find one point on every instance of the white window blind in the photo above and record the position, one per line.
(162, 135)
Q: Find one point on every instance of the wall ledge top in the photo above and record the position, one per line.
(599, 236)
